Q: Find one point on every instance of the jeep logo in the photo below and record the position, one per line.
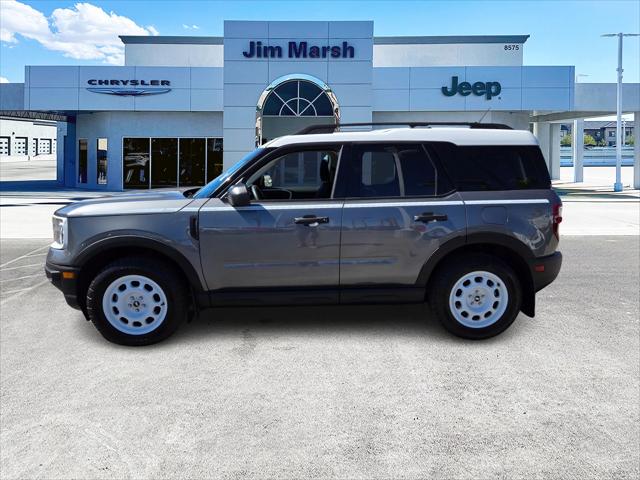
(488, 89)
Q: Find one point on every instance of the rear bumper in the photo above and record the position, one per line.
(544, 270)
(68, 286)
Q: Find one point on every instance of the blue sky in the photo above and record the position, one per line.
(562, 32)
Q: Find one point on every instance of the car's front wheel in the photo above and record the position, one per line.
(136, 301)
(475, 296)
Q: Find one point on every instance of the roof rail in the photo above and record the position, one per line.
(327, 128)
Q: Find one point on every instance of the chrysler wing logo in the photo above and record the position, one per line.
(130, 92)
(133, 87)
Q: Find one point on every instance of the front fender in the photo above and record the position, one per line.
(183, 255)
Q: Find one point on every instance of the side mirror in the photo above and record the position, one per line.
(238, 196)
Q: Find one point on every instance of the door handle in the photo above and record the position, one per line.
(427, 217)
(193, 227)
(310, 220)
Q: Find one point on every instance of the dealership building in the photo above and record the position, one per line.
(181, 109)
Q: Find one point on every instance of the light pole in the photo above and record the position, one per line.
(577, 143)
(617, 187)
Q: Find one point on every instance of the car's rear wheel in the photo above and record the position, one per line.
(475, 296)
(137, 302)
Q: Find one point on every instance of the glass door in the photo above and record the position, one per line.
(192, 162)
(164, 162)
(135, 155)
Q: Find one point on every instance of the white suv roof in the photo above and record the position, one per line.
(455, 135)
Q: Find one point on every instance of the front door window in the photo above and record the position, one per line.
(296, 175)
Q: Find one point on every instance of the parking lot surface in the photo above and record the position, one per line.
(349, 392)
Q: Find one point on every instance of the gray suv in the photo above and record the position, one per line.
(462, 217)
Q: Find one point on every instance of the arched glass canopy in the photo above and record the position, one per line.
(298, 98)
(292, 102)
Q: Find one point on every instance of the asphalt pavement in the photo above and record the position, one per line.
(37, 168)
(341, 392)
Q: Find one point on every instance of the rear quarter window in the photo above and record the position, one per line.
(509, 167)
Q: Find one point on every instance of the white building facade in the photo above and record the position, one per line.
(181, 109)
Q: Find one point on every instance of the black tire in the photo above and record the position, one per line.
(445, 279)
(168, 278)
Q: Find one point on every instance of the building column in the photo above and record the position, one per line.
(636, 150)
(61, 129)
(70, 179)
(577, 146)
(541, 131)
(554, 151)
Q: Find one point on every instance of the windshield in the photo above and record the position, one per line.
(214, 184)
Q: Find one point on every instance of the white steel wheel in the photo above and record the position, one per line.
(478, 299)
(134, 304)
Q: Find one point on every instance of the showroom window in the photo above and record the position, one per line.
(135, 158)
(164, 162)
(170, 162)
(214, 158)
(82, 161)
(101, 161)
(192, 162)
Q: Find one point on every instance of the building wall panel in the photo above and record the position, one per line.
(206, 100)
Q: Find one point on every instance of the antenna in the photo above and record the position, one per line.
(484, 115)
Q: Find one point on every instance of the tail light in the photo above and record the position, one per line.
(557, 219)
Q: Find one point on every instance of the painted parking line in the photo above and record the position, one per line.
(26, 255)
(43, 254)
(22, 266)
(21, 278)
(19, 293)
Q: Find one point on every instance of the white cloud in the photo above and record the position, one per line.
(23, 19)
(4, 80)
(85, 32)
(190, 27)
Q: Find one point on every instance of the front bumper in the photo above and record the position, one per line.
(544, 270)
(65, 279)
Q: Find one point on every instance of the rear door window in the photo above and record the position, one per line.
(394, 170)
(418, 172)
(474, 168)
(378, 174)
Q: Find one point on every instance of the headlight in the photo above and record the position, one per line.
(59, 232)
